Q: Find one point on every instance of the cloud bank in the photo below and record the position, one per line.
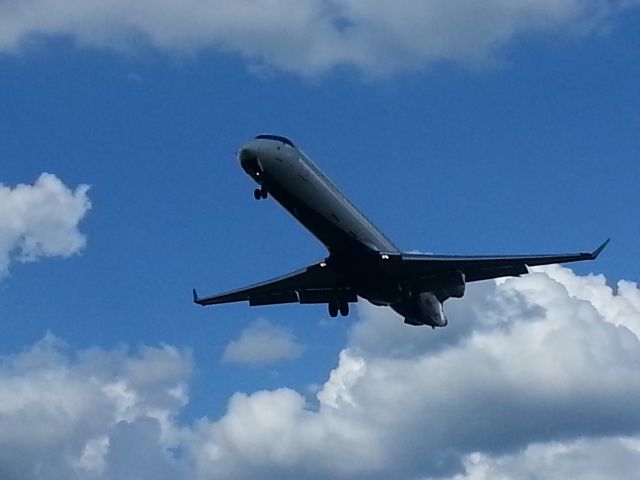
(90, 414)
(262, 343)
(40, 220)
(537, 376)
(307, 36)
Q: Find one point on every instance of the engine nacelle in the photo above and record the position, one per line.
(422, 309)
(454, 288)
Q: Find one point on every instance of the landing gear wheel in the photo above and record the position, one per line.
(344, 309)
(333, 310)
(260, 193)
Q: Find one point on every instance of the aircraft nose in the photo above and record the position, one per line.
(247, 154)
(248, 157)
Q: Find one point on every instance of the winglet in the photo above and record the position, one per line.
(597, 251)
(195, 296)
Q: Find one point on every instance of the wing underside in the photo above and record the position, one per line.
(319, 283)
(314, 284)
(477, 267)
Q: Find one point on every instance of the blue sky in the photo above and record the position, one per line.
(522, 142)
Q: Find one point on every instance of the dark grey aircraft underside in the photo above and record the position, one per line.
(362, 261)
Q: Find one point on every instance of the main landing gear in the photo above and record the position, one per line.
(341, 307)
(260, 193)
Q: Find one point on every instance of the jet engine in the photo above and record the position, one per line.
(425, 307)
(422, 309)
(454, 287)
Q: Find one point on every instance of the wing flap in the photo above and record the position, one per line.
(274, 298)
(326, 295)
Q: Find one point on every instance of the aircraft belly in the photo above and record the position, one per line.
(329, 234)
(306, 195)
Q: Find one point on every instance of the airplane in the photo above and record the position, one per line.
(362, 261)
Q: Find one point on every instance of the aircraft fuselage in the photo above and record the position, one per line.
(295, 182)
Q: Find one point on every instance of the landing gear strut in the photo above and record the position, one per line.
(260, 193)
(335, 307)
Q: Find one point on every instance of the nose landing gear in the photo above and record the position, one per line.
(260, 193)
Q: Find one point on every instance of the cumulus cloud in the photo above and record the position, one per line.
(261, 343)
(40, 220)
(90, 414)
(537, 363)
(535, 376)
(306, 36)
(604, 459)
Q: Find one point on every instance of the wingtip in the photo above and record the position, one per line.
(598, 250)
(195, 296)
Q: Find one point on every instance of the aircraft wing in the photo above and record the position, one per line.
(477, 267)
(316, 282)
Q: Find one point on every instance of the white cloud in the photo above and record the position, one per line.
(306, 36)
(70, 414)
(535, 377)
(261, 343)
(40, 220)
(525, 365)
(597, 459)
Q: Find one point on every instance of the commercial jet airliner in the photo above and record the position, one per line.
(362, 261)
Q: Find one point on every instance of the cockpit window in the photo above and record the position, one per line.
(277, 138)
